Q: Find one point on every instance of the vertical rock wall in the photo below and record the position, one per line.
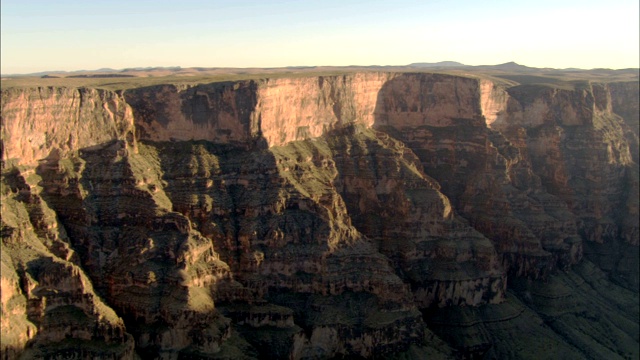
(57, 122)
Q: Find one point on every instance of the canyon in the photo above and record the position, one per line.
(370, 214)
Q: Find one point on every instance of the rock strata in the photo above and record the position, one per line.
(395, 215)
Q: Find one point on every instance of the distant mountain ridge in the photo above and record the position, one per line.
(509, 66)
(437, 64)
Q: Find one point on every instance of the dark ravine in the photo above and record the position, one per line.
(369, 215)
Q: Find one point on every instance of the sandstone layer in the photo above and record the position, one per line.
(396, 215)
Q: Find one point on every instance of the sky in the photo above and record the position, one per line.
(87, 35)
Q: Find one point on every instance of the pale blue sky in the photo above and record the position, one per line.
(92, 34)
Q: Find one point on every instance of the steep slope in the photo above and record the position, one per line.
(393, 215)
(48, 302)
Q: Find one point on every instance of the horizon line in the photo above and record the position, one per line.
(439, 64)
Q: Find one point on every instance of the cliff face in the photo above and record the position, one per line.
(57, 122)
(373, 213)
(585, 155)
(280, 111)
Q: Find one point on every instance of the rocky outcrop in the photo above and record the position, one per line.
(319, 217)
(575, 313)
(145, 259)
(624, 96)
(393, 202)
(49, 305)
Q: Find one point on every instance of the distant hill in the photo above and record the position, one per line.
(509, 66)
(437, 64)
